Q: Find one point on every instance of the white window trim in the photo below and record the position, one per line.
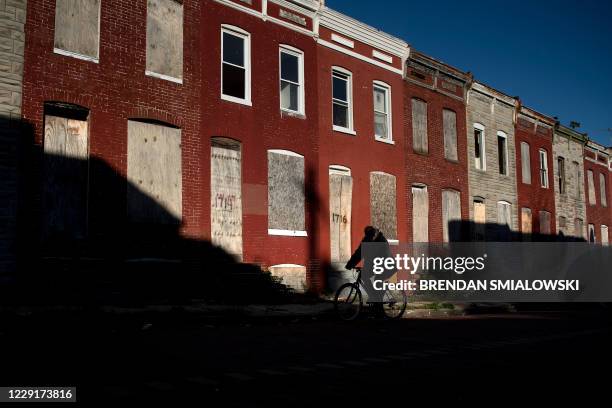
(342, 40)
(387, 89)
(546, 185)
(246, 36)
(164, 77)
(76, 54)
(507, 165)
(287, 233)
(349, 93)
(483, 147)
(283, 48)
(339, 169)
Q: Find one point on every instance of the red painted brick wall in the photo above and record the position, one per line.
(532, 195)
(597, 214)
(433, 169)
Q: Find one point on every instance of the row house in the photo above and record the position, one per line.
(436, 149)
(597, 181)
(568, 170)
(492, 163)
(536, 197)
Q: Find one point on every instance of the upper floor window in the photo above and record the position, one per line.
(165, 39)
(77, 28)
(235, 65)
(342, 100)
(382, 111)
(543, 169)
(449, 123)
(602, 190)
(561, 174)
(480, 161)
(419, 126)
(525, 163)
(591, 185)
(291, 79)
(577, 179)
(502, 153)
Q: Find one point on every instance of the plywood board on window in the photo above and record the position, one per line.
(451, 215)
(340, 208)
(419, 126)
(286, 207)
(420, 214)
(165, 37)
(77, 24)
(450, 134)
(525, 163)
(226, 196)
(480, 219)
(154, 173)
(383, 211)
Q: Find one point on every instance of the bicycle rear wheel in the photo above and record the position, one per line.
(348, 302)
(394, 304)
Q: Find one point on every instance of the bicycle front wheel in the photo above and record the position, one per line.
(394, 304)
(348, 302)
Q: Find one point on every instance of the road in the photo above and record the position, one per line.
(508, 358)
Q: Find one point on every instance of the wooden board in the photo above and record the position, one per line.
(226, 196)
(340, 207)
(419, 126)
(450, 134)
(165, 37)
(605, 240)
(525, 163)
(526, 221)
(77, 25)
(578, 228)
(383, 203)
(544, 218)
(420, 214)
(154, 171)
(65, 177)
(591, 185)
(451, 212)
(603, 190)
(480, 220)
(286, 207)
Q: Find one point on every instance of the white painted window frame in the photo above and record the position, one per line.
(506, 164)
(281, 232)
(544, 182)
(246, 37)
(340, 72)
(382, 86)
(287, 49)
(483, 149)
(506, 205)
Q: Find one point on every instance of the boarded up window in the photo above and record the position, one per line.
(561, 174)
(591, 181)
(602, 190)
(420, 214)
(286, 192)
(604, 235)
(154, 173)
(165, 38)
(480, 219)
(340, 209)
(526, 223)
(383, 214)
(545, 222)
(419, 126)
(65, 177)
(77, 26)
(577, 179)
(525, 163)
(578, 228)
(504, 220)
(226, 195)
(451, 216)
(450, 134)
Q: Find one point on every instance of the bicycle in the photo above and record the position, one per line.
(348, 301)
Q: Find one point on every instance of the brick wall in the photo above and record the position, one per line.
(596, 214)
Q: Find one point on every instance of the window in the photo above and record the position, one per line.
(562, 225)
(383, 203)
(451, 216)
(382, 111)
(419, 126)
(525, 163)
(420, 214)
(480, 219)
(77, 28)
(502, 153)
(291, 80)
(545, 222)
(479, 147)
(526, 223)
(235, 65)
(165, 39)
(286, 200)
(504, 220)
(561, 174)
(342, 100)
(602, 190)
(449, 119)
(543, 169)
(578, 228)
(591, 181)
(604, 235)
(592, 238)
(578, 179)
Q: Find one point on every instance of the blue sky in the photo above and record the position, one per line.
(556, 55)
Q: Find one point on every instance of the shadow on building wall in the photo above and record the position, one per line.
(75, 243)
(470, 231)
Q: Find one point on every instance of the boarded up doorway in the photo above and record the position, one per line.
(340, 207)
(226, 195)
(65, 172)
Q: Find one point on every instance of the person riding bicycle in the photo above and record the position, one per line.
(371, 235)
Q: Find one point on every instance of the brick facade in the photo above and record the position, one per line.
(596, 159)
